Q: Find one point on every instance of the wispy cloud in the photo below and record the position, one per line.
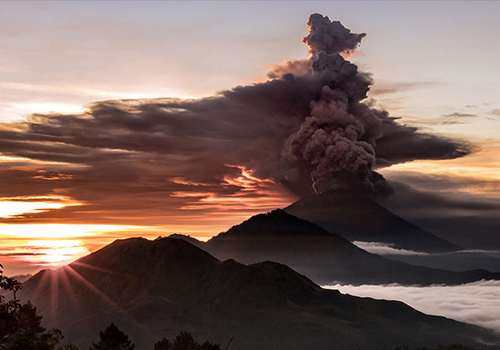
(382, 87)
(460, 115)
(385, 249)
(495, 112)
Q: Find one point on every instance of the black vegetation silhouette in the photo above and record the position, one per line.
(112, 338)
(184, 341)
(440, 347)
(20, 325)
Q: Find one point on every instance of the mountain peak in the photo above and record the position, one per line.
(273, 224)
(140, 255)
(356, 216)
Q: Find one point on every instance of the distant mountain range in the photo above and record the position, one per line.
(320, 255)
(152, 289)
(357, 217)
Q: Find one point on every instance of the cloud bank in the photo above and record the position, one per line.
(308, 128)
(474, 303)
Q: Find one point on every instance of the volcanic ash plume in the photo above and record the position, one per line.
(336, 142)
(307, 128)
(329, 142)
(330, 36)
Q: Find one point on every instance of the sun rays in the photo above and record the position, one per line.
(67, 285)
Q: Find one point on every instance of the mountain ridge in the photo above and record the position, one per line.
(322, 256)
(152, 289)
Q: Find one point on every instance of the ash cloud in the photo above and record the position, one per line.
(308, 128)
(438, 204)
(330, 37)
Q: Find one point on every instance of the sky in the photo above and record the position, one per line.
(121, 119)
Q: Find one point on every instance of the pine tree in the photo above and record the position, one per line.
(112, 338)
(163, 344)
(183, 341)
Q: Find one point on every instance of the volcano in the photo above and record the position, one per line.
(358, 217)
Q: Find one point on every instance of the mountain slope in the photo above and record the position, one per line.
(358, 218)
(152, 289)
(320, 255)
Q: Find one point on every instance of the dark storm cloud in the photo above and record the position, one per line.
(307, 127)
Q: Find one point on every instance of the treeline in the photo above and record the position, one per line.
(112, 338)
(440, 347)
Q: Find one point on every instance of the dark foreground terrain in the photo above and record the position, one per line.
(154, 289)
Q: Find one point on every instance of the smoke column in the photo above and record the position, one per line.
(336, 141)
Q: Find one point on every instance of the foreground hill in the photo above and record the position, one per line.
(320, 255)
(357, 217)
(152, 289)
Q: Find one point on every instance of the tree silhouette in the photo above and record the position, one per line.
(20, 325)
(112, 338)
(184, 341)
(208, 346)
(163, 344)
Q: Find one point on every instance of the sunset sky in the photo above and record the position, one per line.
(76, 173)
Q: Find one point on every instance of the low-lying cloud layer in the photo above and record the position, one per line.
(461, 260)
(381, 248)
(308, 128)
(474, 303)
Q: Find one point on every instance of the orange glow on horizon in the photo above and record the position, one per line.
(478, 172)
(51, 245)
(19, 206)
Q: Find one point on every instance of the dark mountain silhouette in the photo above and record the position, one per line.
(357, 217)
(152, 289)
(320, 255)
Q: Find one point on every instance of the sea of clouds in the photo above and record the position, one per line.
(475, 303)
